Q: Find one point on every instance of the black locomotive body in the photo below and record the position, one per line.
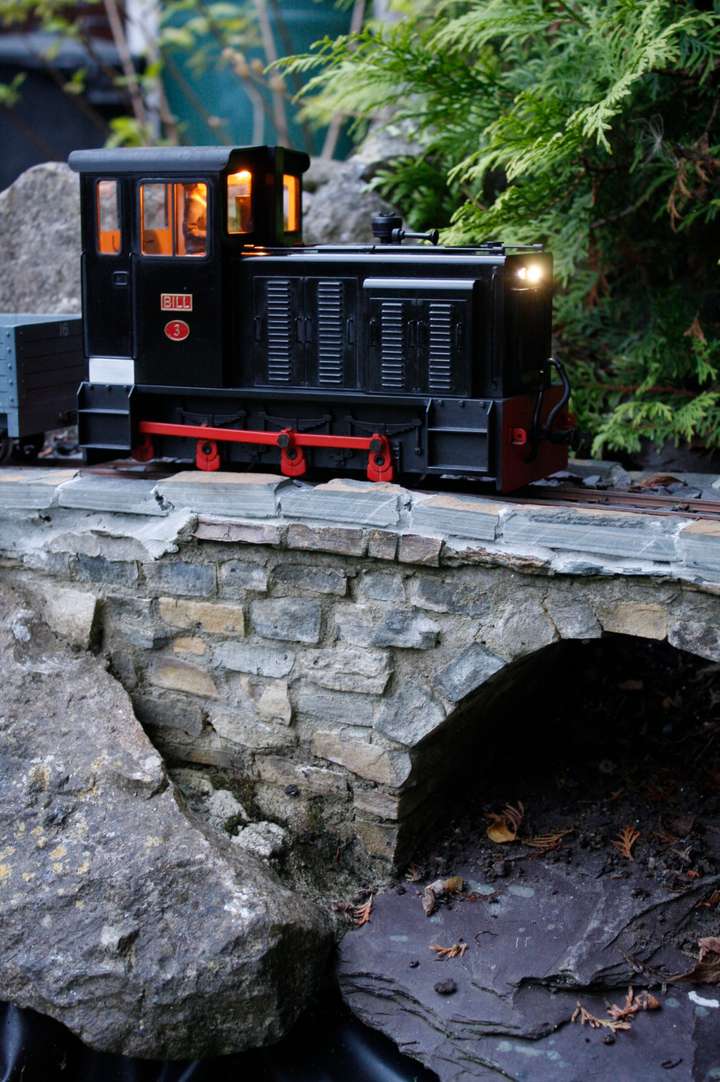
(211, 333)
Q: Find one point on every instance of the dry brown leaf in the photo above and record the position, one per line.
(361, 913)
(504, 825)
(644, 1001)
(547, 842)
(413, 874)
(583, 1016)
(625, 841)
(707, 968)
(711, 902)
(443, 953)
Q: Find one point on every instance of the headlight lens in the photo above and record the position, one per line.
(531, 274)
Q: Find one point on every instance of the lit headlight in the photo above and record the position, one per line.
(531, 274)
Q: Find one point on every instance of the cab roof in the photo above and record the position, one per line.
(177, 159)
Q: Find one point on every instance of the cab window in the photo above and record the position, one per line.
(107, 214)
(239, 202)
(291, 203)
(173, 219)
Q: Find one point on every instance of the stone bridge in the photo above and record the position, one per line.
(336, 651)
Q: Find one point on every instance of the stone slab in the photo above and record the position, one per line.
(543, 943)
(458, 516)
(31, 488)
(245, 495)
(128, 495)
(341, 500)
(699, 546)
(608, 533)
(212, 528)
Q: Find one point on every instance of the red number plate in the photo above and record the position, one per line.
(177, 330)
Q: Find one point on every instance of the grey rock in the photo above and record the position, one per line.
(102, 871)
(467, 672)
(342, 207)
(348, 669)
(288, 619)
(343, 540)
(179, 577)
(256, 660)
(170, 712)
(304, 579)
(265, 840)
(363, 626)
(322, 706)
(239, 576)
(696, 637)
(381, 586)
(40, 227)
(458, 594)
(103, 571)
(409, 715)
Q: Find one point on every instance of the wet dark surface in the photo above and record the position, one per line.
(554, 919)
(327, 1046)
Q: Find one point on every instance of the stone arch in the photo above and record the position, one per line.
(478, 694)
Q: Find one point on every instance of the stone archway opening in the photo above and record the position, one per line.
(634, 722)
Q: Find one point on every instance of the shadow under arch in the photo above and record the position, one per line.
(562, 702)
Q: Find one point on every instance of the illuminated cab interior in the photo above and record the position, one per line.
(258, 199)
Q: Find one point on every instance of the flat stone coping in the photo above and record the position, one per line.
(381, 521)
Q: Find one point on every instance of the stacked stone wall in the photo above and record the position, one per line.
(318, 666)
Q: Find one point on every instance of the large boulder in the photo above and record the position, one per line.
(144, 932)
(339, 204)
(40, 231)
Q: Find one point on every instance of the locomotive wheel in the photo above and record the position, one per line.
(28, 448)
(6, 446)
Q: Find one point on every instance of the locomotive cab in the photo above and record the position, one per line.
(161, 228)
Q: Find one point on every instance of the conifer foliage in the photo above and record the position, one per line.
(591, 125)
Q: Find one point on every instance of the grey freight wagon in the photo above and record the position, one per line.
(41, 366)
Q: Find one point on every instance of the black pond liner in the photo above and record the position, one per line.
(328, 1045)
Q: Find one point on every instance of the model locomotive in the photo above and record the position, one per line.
(212, 333)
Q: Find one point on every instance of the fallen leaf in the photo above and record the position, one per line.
(547, 842)
(644, 1001)
(707, 968)
(443, 953)
(361, 913)
(631, 685)
(504, 825)
(413, 874)
(583, 1016)
(625, 841)
(711, 902)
